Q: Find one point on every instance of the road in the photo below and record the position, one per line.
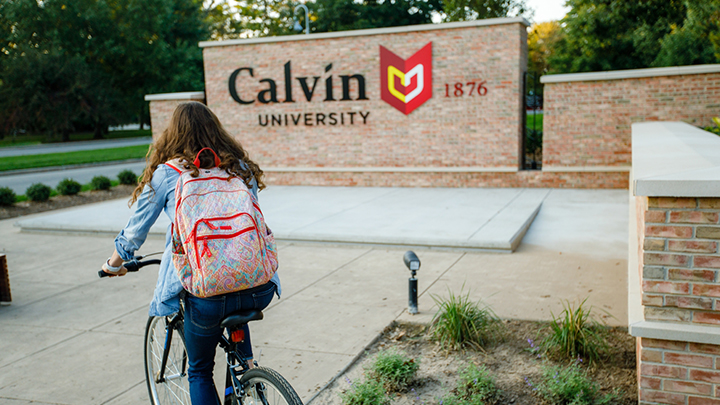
(20, 182)
(72, 146)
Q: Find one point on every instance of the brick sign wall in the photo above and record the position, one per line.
(310, 110)
(588, 116)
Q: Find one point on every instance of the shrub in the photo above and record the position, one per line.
(100, 183)
(127, 177)
(576, 334)
(7, 196)
(714, 129)
(68, 187)
(38, 192)
(368, 392)
(393, 369)
(569, 385)
(460, 322)
(475, 386)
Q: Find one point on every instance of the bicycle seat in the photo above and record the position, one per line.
(241, 317)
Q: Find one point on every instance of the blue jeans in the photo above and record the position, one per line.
(203, 332)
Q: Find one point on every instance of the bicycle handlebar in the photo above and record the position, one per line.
(132, 265)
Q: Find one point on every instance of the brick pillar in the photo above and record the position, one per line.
(4, 280)
(680, 285)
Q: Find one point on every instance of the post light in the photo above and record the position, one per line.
(413, 264)
(297, 26)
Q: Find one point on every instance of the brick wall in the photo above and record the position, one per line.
(680, 260)
(610, 180)
(679, 239)
(444, 132)
(161, 111)
(587, 123)
(679, 373)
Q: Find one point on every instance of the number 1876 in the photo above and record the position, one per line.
(459, 90)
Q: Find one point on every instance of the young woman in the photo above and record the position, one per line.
(192, 127)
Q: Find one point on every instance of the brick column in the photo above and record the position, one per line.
(162, 107)
(680, 285)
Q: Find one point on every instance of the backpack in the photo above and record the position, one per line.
(220, 242)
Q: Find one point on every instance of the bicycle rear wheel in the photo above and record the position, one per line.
(173, 389)
(264, 386)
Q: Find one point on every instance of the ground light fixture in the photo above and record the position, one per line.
(297, 26)
(413, 264)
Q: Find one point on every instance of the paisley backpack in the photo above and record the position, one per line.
(220, 242)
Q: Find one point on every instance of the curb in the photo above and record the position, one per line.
(67, 167)
(352, 362)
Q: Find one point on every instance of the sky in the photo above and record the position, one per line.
(547, 10)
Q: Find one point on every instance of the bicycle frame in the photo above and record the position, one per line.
(236, 361)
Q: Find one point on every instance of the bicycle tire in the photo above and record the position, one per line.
(276, 389)
(175, 388)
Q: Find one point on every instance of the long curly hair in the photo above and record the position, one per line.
(194, 127)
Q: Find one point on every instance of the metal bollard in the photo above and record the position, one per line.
(5, 296)
(413, 264)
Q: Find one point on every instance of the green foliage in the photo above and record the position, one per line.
(100, 183)
(460, 322)
(7, 196)
(367, 392)
(70, 158)
(462, 10)
(575, 334)
(393, 369)
(569, 385)
(38, 192)
(716, 128)
(475, 387)
(87, 63)
(602, 35)
(128, 177)
(68, 187)
(697, 41)
(341, 15)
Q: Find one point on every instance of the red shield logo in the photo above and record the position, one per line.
(406, 84)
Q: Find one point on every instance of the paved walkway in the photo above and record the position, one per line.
(72, 146)
(51, 177)
(70, 338)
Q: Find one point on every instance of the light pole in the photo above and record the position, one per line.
(297, 26)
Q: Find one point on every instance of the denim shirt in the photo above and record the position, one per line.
(166, 299)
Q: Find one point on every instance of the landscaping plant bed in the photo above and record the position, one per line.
(512, 362)
(65, 201)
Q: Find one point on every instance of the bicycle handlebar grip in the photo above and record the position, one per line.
(132, 265)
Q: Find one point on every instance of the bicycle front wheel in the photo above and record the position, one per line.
(173, 387)
(264, 386)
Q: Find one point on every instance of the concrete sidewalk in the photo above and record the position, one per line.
(73, 146)
(70, 338)
(474, 219)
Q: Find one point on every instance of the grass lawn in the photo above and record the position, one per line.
(73, 158)
(538, 121)
(36, 139)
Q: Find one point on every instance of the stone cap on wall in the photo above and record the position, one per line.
(631, 74)
(374, 31)
(674, 159)
(189, 95)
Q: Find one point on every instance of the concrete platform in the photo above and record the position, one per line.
(71, 338)
(467, 219)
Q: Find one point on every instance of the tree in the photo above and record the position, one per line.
(697, 41)
(463, 10)
(340, 15)
(128, 48)
(542, 41)
(614, 34)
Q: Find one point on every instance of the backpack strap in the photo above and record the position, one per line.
(197, 157)
(176, 164)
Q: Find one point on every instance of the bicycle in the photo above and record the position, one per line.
(166, 360)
